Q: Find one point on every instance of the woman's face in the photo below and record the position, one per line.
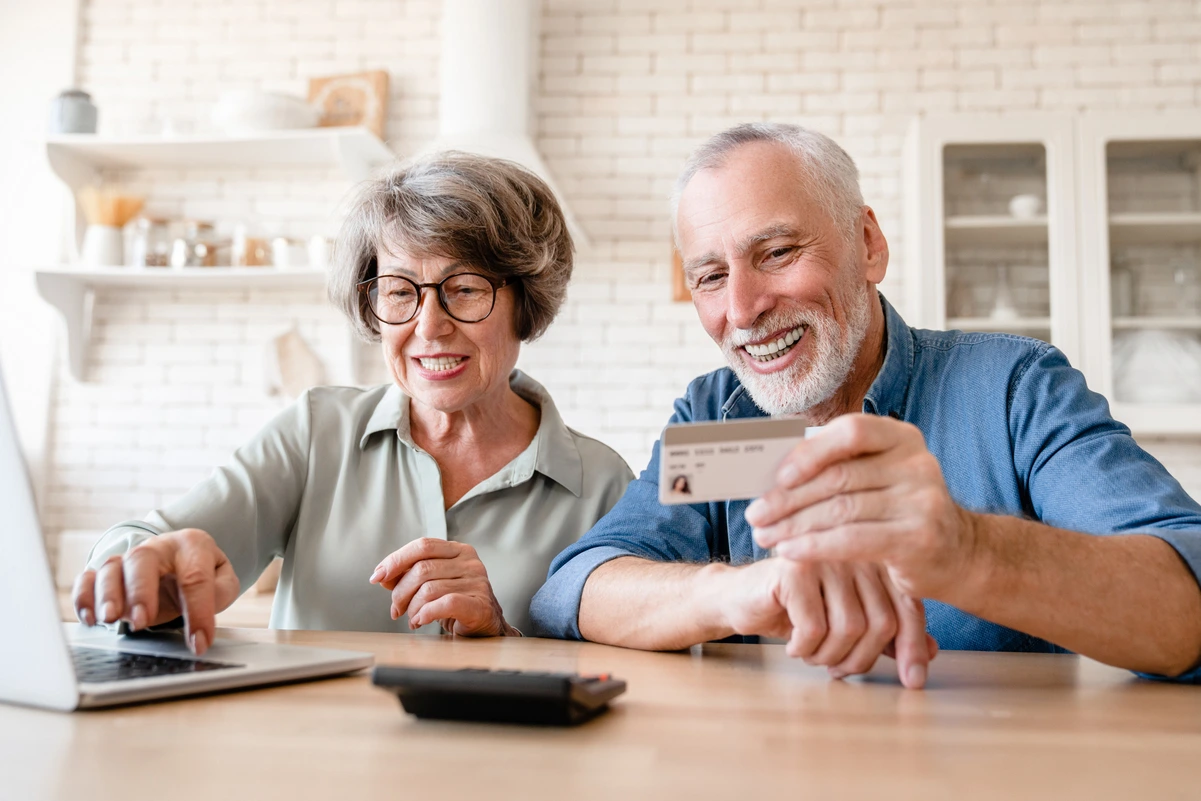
(438, 361)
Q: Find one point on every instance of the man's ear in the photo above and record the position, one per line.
(873, 247)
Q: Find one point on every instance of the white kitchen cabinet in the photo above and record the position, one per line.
(1121, 237)
(973, 263)
(1140, 222)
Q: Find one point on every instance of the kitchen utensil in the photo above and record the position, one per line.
(106, 211)
(291, 365)
(244, 112)
(73, 112)
(1025, 206)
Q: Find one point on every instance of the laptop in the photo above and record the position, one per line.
(47, 663)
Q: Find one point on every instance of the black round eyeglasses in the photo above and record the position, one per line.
(466, 297)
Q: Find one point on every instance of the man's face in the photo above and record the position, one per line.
(784, 292)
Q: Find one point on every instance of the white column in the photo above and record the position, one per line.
(37, 60)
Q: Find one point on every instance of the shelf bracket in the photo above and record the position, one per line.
(76, 173)
(74, 300)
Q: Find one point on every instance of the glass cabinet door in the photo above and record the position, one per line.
(1140, 245)
(1154, 231)
(997, 273)
(991, 216)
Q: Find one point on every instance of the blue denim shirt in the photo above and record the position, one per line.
(1012, 424)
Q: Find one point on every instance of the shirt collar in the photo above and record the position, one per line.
(556, 454)
(887, 394)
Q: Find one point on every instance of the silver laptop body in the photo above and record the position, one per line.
(37, 667)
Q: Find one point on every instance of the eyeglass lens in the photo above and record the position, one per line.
(467, 298)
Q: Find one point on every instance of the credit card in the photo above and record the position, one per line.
(725, 461)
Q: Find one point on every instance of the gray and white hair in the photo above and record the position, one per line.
(494, 216)
(833, 176)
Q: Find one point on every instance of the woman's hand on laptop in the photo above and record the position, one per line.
(178, 573)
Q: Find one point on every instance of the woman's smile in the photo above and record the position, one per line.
(440, 366)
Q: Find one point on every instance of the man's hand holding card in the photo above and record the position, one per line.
(842, 611)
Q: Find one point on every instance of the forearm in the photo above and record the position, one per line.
(655, 606)
(1126, 600)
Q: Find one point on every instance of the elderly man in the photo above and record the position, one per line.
(963, 477)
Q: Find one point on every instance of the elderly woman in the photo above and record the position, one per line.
(438, 499)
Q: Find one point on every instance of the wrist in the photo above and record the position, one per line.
(708, 598)
(978, 565)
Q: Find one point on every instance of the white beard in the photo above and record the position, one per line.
(806, 383)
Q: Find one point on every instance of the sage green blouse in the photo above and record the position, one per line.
(335, 483)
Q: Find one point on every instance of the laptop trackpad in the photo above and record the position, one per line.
(159, 643)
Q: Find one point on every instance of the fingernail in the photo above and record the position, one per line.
(837, 674)
(788, 473)
(200, 643)
(108, 611)
(377, 575)
(756, 510)
(138, 618)
(764, 537)
(917, 676)
(393, 612)
(87, 617)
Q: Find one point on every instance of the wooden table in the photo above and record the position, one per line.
(736, 722)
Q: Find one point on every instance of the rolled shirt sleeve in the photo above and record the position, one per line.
(637, 526)
(1084, 471)
(248, 506)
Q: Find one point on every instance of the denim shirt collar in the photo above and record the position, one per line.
(888, 392)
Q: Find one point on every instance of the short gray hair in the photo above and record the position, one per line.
(491, 214)
(834, 178)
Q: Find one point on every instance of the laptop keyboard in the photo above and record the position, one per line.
(94, 665)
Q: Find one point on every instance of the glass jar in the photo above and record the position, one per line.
(151, 243)
(196, 246)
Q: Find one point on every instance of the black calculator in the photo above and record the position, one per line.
(499, 696)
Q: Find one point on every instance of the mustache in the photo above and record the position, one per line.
(745, 336)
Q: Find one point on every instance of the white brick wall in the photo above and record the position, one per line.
(627, 88)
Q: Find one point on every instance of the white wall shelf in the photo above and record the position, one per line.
(71, 290)
(78, 158)
(996, 230)
(1155, 229)
(988, 324)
